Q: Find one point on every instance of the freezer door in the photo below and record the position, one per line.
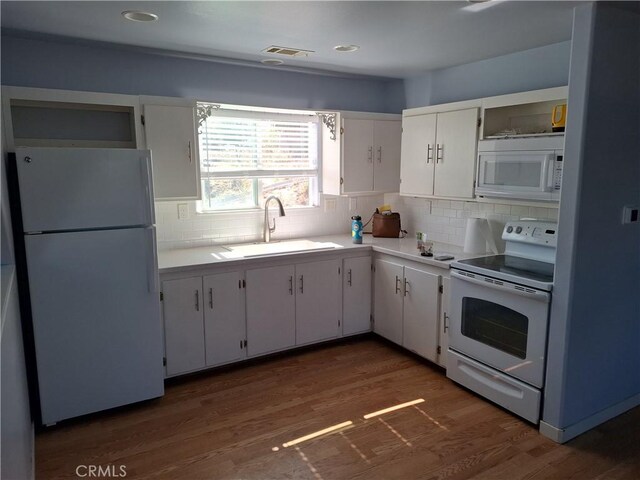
(96, 318)
(84, 188)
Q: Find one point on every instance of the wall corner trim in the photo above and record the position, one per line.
(563, 435)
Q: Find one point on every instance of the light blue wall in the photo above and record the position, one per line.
(542, 67)
(594, 337)
(32, 62)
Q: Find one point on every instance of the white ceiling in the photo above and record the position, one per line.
(397, 39)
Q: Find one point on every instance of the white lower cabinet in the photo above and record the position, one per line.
(224, 325)
(420, 314)
(203, 321)
(318, 312)
(445, 311)
(226, 317)
(387, 317)
(356, 296)
(271, 309)
(183, 325)
(406, 307)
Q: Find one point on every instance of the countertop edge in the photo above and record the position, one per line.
(347, 249)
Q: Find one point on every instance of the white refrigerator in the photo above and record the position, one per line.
(89, 242)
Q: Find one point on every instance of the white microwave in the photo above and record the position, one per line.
(521, 168)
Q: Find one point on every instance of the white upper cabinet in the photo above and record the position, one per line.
(171, 136)
(439, 154)
(386, 167)
(418, 154)
(364, 157)
(456, 144)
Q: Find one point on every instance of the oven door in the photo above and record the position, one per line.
(500, 324)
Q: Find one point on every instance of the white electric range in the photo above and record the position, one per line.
(499, 318)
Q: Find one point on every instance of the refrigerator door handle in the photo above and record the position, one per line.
(152, 263)
(146, 165)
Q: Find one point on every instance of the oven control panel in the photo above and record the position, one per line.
(532, 232)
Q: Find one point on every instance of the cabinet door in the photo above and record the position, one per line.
(418, 154)
(421, 294)
(183, 325)
(356, 296)
(387, 135)
(271, 309)
(387, 318)
(318, 301)
(171, 137)
(357, 156)
(224, 326)
(445, 311)
(456, 139)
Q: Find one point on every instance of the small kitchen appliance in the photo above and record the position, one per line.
(521, 168)
(499, 318)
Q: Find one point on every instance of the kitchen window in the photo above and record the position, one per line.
(248, 155)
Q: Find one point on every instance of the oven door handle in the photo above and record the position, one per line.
(506, 287)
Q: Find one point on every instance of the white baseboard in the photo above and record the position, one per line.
(562, 435)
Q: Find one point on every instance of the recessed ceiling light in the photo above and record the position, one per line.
(272, 61)
(138, 16)
(346, 48)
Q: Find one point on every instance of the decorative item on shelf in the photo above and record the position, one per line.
(329, 119)
(356, 229)
(559, 117)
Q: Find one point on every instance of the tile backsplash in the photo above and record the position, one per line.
(446, 220)
(236, 227)
(442, 220)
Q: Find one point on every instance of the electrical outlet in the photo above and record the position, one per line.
(630, 214)
(353, 204)
(330, 204)
(183, 211)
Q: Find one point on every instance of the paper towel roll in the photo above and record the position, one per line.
(478, 237)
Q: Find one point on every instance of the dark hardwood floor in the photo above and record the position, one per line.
(233, 424)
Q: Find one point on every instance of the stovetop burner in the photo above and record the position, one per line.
(517, 266)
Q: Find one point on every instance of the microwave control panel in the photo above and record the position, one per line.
(557, 172)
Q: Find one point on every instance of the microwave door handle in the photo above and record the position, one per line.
(547, 174)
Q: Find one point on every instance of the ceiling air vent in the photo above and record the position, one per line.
(287, 51)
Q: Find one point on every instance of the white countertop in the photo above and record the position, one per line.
(189, 258)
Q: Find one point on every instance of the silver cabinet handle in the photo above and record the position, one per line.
(397, 288)
(189, 147)
(406, 287)
(370, 155)
(439, 153)
(349, 277)
(27, 159)
(429, 153)
(379, 154)
(290, 285)
(301, 283)
(446, 324)
(197, 301)
(211, 298)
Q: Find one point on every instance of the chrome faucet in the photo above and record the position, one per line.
(268, 229)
